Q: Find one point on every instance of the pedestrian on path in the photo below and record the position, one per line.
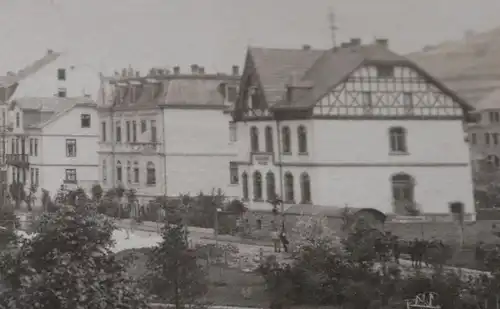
(284, 240)
(275, 235)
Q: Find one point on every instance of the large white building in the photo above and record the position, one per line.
(167, 133)
(357, 126)
(52, 142)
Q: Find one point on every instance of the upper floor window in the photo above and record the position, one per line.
(408, 102)
(287, 140)
(302, 137)
(397, 139)
(244, 185)
(134, 131)
(487, 138)
(61, 74)
(104, 132)
(85, 120)
(61, 92)
(495, 138)
(71, 175)
(305, 188)
(118, 132)
(232, 132)
(366, 101)
(473, 138)
(254, 98)
(289, 190)
(385, 71)
(18, 120)
(493, 161)
(71, 148)
(232, 93)
(128, 132)
(136, 172)
(269, 139)
(257, 186)
(254, 139)
(129, 172)
(119, 171)
(154, 137)
(144, 126)
(494, 117)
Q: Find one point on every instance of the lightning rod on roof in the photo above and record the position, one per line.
(332, 26)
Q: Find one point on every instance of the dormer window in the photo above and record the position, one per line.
(254, 98)
(385, 71)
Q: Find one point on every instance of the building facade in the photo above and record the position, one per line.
(52, 142)
(357, 126)
(167, 133)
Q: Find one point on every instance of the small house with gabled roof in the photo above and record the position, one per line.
(358, 125)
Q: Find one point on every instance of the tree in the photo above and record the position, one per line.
(96, 193)
(17, 192)
(313, 231)
(8, 224)
(173, 275)
(68, 264)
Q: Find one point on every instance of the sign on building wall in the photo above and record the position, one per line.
(262, 159)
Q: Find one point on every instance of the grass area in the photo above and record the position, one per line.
(226, 284)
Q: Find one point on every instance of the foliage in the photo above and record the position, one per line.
(96, 193)
(313, 230)
(173, 275)
(47, 202)
(8, 223)
(17, 192)
(68, 264)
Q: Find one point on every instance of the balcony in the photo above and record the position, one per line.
(18, 160)
(145, 148)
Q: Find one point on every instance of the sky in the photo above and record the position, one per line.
(108, 35)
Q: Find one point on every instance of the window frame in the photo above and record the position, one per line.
(70, 175)
(398, 140)
(233, 173)
(150, 174)
(85, 121)
(71, 146)
(302, 139)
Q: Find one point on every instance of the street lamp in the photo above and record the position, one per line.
(216, 226)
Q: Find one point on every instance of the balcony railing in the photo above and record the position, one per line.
(19, 160)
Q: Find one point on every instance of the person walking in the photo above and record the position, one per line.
(284, 240)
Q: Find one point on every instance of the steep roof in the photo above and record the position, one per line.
(38, 112)
(193, 92)
(490, 101)
(275, 66)
(315, 72)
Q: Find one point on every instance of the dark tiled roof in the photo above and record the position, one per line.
(275, 66)
(193, 92)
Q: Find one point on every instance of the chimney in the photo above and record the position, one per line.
(201, 70)
(236, 70)
(49, 51)
(194, 68)
(306, 47)
(382, 42)
(355, 42)
(177, 70)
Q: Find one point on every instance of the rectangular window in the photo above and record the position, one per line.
(61, 74)
(71, 175)
(85, 120)
(136, 173)
(494, 117)
(495, 138)
(71, 148)
(127, 131)
(385, 71)
(104, 132)
(35, 176)
(408, 102)
(134, 131)
(487, 138)
(118, 132)
(144, 126)
(154, 138)
(473, 138)
(18, 120)
(367, 102)
(61, 92)
(233, 173)
(232, 132)
(32, 147)
(232, 94)
(35, 152)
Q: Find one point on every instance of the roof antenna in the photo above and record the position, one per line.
(333, 27)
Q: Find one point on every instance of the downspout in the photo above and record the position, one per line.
(164, 138)
(280, 166)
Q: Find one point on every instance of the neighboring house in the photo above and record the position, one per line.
(52, 142)
(357, 126)
(484, 139)
(166, 133)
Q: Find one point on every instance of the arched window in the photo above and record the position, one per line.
(269, 139)
(257, 186)
(129, 172)
(150, 174)
(302, 137)
(254, 139)
(287, 141)
(244, 185)
(397, 139)
(289, 194)
(305, 188)
(403, 187)
(493, 161)
(270, 186)
(119, 175)
(136, 172)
